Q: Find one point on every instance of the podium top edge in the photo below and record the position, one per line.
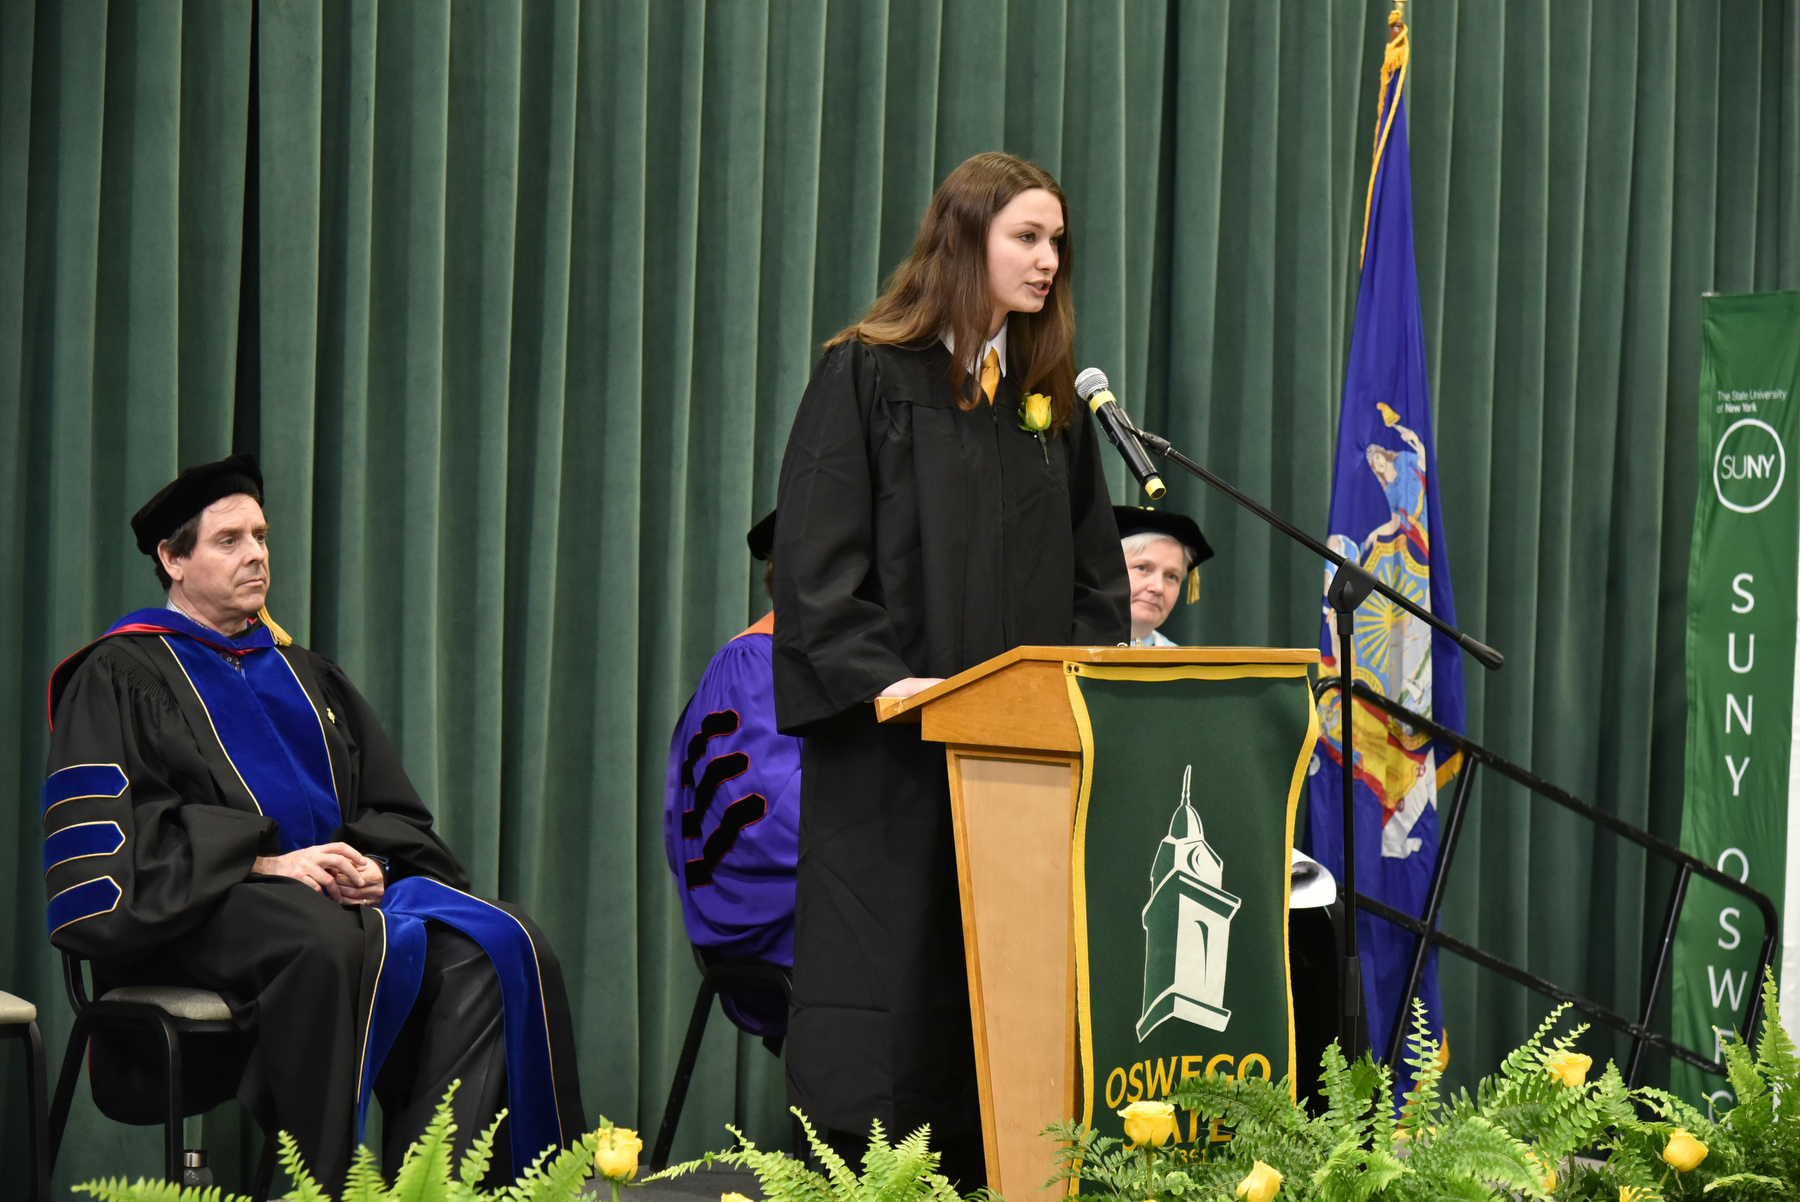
(891, 709)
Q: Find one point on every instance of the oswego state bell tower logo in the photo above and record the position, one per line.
(1749, 465)
(1187, 927)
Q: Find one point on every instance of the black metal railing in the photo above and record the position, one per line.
(1425, 926)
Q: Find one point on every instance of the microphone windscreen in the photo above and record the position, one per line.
(1090, 381)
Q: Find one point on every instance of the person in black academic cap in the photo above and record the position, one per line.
(943, 500)
(1163, 549)
(731, 820)
(223, 811)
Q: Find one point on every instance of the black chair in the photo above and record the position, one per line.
(168, 1017)
(18, 1020)
(717, 975)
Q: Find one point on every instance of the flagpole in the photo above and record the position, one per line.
(1350, 586)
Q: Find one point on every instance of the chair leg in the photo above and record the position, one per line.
(684, 1070)
(65, 1085)
(265, 1170)
(37, 1107)
(172, 1133)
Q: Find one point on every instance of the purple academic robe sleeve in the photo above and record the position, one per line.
(731, 818)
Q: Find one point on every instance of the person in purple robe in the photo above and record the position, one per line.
(731, 822)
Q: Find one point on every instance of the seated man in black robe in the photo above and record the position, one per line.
(223, 811)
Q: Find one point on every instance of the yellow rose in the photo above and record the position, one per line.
(1633, 1193)
(733, 1198)
(1549, 1173)
(1569, 1067)
(1035, 415)
(1262, 1184)
(1152, 1123)
(1684, 1153)
(616, 1153)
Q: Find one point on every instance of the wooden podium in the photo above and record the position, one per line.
(1015, 776)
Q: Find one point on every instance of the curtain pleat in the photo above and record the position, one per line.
(534, 289)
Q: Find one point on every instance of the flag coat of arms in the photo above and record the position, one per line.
(1385, 516)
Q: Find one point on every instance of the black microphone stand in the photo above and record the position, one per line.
(1350, 585)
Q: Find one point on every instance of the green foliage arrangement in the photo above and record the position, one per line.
(1518, 1136)
(424, 1176)
(1360, 1149)
(1752, 1151)
(902, 1172)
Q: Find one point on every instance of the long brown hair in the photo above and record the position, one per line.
(943, 284)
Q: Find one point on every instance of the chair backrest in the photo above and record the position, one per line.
(744, 972)
(755, 994)
(75, 981)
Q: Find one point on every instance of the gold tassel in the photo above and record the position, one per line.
(1193, 585)
(282, 637)
(1395, 59)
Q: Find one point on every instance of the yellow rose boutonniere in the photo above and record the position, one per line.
(1035, 414)
(1149, 1123)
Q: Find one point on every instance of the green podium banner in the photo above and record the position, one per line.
(1740, 792)
(1190, 780)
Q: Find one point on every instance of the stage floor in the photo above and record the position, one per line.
(704, 1185)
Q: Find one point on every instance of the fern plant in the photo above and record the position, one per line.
(1362, 1148)
(1519, 1135)
(424, 1176)
(902, 1172)
(1751, 1152)
(1268, 1127)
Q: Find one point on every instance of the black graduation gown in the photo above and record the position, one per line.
(916, 539)
(297, 969)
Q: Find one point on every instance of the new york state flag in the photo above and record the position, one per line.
(1385, 516)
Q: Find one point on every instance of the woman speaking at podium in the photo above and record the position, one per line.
(941, 501)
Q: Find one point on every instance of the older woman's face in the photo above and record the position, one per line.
(1156, 573)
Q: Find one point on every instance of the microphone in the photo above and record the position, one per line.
(1091, 387)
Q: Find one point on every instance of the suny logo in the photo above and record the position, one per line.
(1749, 465)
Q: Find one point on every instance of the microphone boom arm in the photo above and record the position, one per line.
(1485, 655)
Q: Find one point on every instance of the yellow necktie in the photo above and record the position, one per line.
(990, 373)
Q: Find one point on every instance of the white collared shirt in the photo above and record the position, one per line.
(997, 342)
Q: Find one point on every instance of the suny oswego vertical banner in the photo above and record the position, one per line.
(1741, 790)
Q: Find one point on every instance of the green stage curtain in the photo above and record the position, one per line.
(516, 299)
